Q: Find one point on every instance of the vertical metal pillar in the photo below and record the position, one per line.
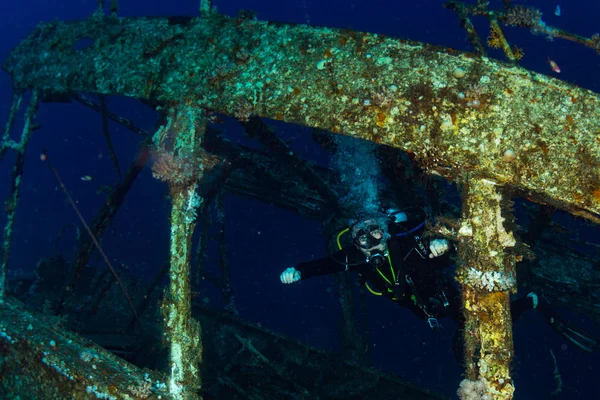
(178, 163)
(11, 202)
(487, 275)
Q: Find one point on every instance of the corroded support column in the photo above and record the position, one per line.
(12, 200)
(487, 275)
(178, 162)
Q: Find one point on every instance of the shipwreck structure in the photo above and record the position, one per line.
(494, 128)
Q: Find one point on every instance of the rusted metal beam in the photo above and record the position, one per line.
(467, 118)
(179, 163)
(258, 130)
(43, 361)
(12, 200)
(455, 112)
(102, 221)
(487, 276)
(524, 17)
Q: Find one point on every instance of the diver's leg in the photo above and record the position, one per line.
(525, 303)
(577, 337)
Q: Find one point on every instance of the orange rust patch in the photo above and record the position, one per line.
(596, 195)
(569, 119)
(543, 146)
(380, 120)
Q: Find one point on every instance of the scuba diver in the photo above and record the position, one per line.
(395, 260)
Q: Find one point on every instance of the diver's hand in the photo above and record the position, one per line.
(438, 247)
(290, 275)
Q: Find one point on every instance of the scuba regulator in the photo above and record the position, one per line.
(377, 258)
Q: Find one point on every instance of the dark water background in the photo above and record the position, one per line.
(264, 240)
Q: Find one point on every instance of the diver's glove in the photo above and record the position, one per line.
(438, 247)
(290, 275)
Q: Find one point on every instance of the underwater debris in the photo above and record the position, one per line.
(44, 157)
(519, 16)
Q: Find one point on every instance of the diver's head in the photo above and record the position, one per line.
(370, 236)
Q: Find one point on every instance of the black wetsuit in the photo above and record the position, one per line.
(413, 280)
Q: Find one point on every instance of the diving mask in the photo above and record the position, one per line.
(369, 237)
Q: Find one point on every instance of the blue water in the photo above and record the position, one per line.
(264, 240)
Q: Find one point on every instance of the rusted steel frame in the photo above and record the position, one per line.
(114, 6)
(181, 330)
(15, 106)
(568, 277)
(467, 25)
(115, 198)
(222, 282)
(205, 7)
(210, 190)
(59, 238)
(103, 220)
(263, 360)
(44, 361)
(504, 45)
(224, 263)
(259, 130)
(257, 175)
(538, 224)
(353, 344)
(326, 375)
(115, 117)
(107, 138)
(487, 276)
(199, 262)
(12, 200)
(592, 42)
(149, 294)
(92, 305)
(180, 163)
(456, 113)
(463, 12)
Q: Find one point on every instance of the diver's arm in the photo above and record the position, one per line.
(343, 260)
(417, 251)
(346, 259)
(410, 223)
